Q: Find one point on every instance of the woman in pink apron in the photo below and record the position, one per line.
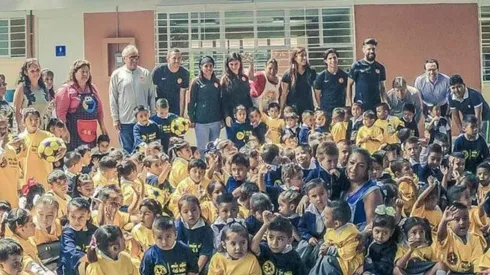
(79, 106)
(265, 85)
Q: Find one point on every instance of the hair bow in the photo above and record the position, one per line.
(385, 210)
(30, 183)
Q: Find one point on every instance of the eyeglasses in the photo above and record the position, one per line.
(134, 57)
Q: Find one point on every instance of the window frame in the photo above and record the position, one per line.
(10, 40)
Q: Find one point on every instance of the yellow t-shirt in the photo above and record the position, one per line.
(121, 219)
(209, 211)
(476, 222)
(178, 172)
(32, 164)
(101, 181)
(345, 239)
(339, 131)
(247, 265)
(105, 265)
(243, 212)
(63, 203)
(187, 187)
(274, 126)
(459, 256)
(389, 127)
(422, 253)
(482, 192)
(433, 216)
(10, 174)
(373, 132)
(42, 236)
(408, 194)
(143, 235)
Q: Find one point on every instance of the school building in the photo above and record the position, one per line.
(57, 32)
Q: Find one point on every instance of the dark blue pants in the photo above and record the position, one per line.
(126, 137)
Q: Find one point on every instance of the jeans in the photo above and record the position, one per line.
(126, 137)
(206, 133)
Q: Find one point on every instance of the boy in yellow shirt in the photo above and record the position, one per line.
(59, 190)
(341, 240)
(33, 166)
(339, 125)
(273, 122)
(369, 136)
(389, 124)
(195, 184)
(9, 166)
(458, 249)
(107, 172)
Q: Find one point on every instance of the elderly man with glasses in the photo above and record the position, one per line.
(129, 87)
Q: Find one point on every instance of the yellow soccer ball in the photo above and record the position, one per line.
(179, 126)
(49, 148)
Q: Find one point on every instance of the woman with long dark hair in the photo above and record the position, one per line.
(78, 105)
(204, 107)
(235, 88)
(297, 83)
(31, 91)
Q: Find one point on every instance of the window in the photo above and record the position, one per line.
(485, 41)
(263, 33)
(13, 37)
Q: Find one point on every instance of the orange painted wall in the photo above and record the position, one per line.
(409, 34)
(99, 26)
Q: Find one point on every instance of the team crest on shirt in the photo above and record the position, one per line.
(244, 79)
(179, 80)
(160, 270)
(377, 71)
(4, 163)
(216, 84)
(268, 268)
(452, 258)
(341, 80)
(142, 78)
(466, 265)
(240, 136)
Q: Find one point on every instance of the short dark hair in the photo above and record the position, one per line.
(459, 206)
(225, 198)
(369, 114)
(409, 107)
(103, 138)
(434, 148)
(197, 163)
(455, 80)
(370, 41)
(327, 148)
(56, 175)
(399, 83)
(470, 120)
(384, 105)
(329, 51)
(412, 140)
(162, 103)
(431, 60)
(455, 192)
(281, 224)
(140, 108)
(260, 202)
(163, 223)
(273, 105)
(107, 162)
(340, 210)
(72, 158)
(9, 247)
(240, 159)
(269, 152)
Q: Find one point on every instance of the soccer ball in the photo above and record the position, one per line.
(49, 148)
(179, 126)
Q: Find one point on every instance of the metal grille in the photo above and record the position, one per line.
(13, 37)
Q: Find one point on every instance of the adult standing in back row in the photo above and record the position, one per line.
(434, 87)
(129, 87)
(172, 81)
(369, 76)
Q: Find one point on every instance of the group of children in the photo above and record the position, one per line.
(270, 202)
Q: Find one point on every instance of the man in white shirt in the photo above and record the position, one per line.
(129, 87)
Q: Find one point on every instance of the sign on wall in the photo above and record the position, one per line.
(60, 50)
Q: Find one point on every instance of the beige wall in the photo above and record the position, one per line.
(10, 67)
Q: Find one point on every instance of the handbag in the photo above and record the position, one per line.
(49, 254)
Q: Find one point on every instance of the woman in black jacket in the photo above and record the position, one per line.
(205, 104)
(235, 89)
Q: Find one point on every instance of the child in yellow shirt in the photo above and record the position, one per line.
(109, 201)
(339, 126)
(209, 208)
(150, 209)
(11, 257)
(10, 172)
(195, 185)
(369, 136)
(407, 188)
(389, 124)
(459, 249)
(107, 255)
(48, 227)
(59, 189)
(132, 185)
(341, 240)
(415, 254)
(426, 205)
(273, 122)
(180, 153)
(483, 174)
(33, 166)
(107, 172)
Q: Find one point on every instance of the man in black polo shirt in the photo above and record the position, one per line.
(464, 101)
(330, 84)
(369, 76)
